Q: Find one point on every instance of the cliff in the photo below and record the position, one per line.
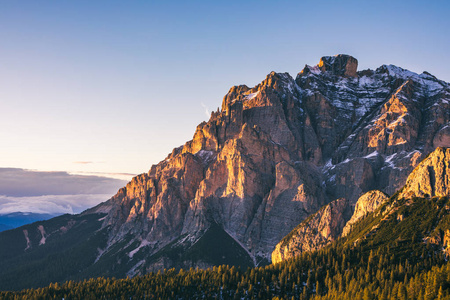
(314, 233)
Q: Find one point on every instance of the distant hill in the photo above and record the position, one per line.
(17, 219)
(4, 227)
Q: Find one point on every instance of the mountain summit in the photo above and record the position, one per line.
(341, 65)
(272, 156)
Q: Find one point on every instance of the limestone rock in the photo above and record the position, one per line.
(277, 152)
(367, 203)
(316, 232)
(442, 137)
(431, 177)
(343, 65)
(446, 242)
(351, 178)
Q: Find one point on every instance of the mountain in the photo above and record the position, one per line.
(272, 156)
(277, 152)
(16, 219)
(396, 248)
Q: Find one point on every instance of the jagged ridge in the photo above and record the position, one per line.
(277, 152)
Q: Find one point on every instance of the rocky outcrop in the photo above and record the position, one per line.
(446, 242)
(152, 206)
(341, 65)
(316, 232)
(431, 177)
(442, 137)
(440, 238)
(367, 203)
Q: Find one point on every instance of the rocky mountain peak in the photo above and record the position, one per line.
(341, 65)
(235, 93)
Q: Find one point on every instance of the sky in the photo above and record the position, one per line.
(108, 88)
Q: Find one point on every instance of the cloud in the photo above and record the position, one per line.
(122, 176)
(22, 183)
(207, 113)
(51, 204)
(83, 162)
(53, 192)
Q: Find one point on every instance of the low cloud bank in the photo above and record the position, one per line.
(51, 204)
(21, 183)
(53, 192)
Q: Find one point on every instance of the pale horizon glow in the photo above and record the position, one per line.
(109, 88)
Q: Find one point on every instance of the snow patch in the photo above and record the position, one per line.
(101, 219)
(132, 272)
(204, 154)
(290, 87)
(373, 154)
(251, 96)
(412, 153)
(366, 81)
(100, 253)
(433, 86)
(328, 165)
(400, 72)
(315, 70)
(345, 161)
(144, 243)
(332, 178)
(390, 163)
(390, 157)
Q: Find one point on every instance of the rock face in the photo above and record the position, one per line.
(431, 177)
(316, 232)
(341, 65)
(367, 203)
(446, 242)
(277, 152)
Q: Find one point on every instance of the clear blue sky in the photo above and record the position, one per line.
(113, 86)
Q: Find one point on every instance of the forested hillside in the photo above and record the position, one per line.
(394, 253)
